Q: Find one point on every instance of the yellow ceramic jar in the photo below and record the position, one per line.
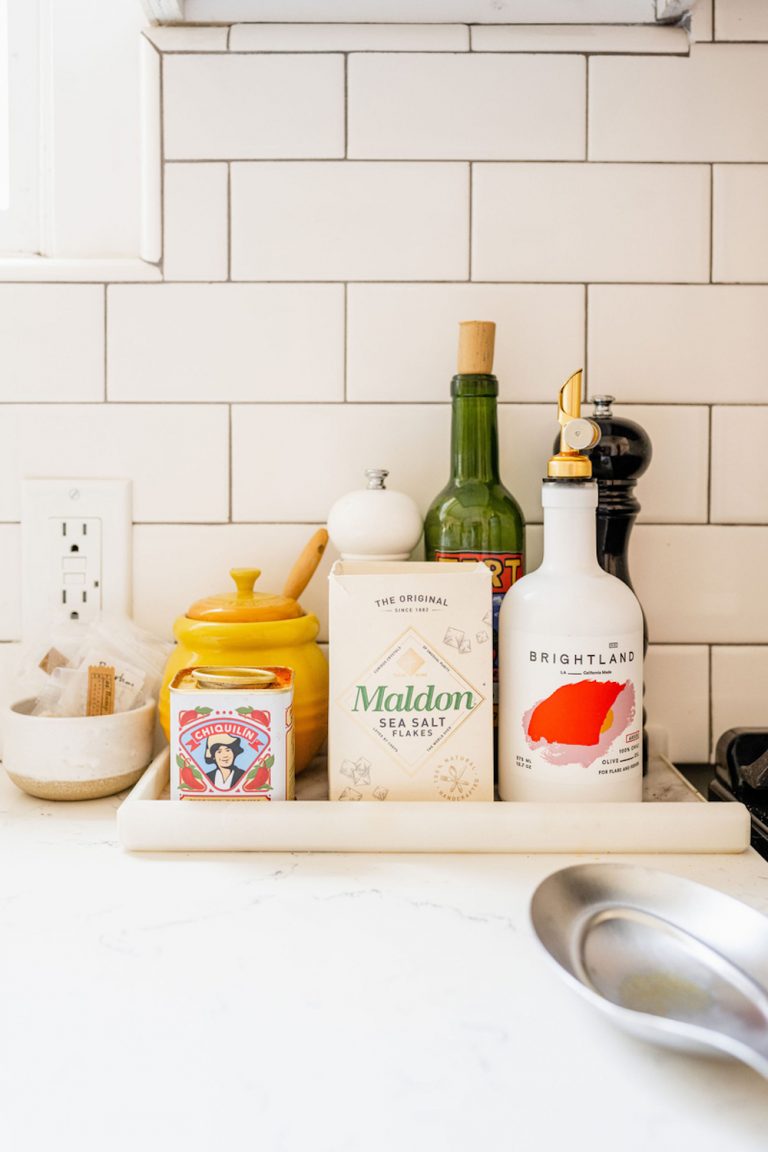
(252, 629)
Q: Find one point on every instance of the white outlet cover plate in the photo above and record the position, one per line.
(46, 499)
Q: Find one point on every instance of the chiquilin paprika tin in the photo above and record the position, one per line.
(232, 734)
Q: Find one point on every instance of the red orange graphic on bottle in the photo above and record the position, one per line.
(578, 722)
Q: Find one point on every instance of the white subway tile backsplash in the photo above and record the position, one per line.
(677, 698)
(588, 38)
(677, 343)
(700, 108)
(741, 20)
(151, 444)
(226, 342)
(350, 221)
(739, 489)
(402, 338)
(674, 489)
(590, 222)
(222, 107)
(534, 546)
(325, 449)
(527, 434)
(701, 584)
(421, 108)
(10, 586)
(51, 342)
(740, 223)
(196, 222)
(195, 563)
(349, 38)
(739, 677)
(489, 108)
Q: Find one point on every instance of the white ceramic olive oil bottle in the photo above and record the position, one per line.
(570, 649)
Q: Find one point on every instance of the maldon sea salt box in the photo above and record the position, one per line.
(411, 712)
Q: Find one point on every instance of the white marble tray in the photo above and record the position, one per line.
(672, 820)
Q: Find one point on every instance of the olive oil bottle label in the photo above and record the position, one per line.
(575, 706)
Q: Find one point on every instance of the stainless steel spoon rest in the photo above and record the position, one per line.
(667, 959)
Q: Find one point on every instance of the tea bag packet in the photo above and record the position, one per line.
(129, 684)
(55, 664)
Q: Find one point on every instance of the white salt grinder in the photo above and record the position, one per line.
(375, 523)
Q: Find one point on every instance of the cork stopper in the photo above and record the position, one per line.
(476, 339)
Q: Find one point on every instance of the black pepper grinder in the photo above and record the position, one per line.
(618, 461)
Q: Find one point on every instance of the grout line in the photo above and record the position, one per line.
(229, 37)
(106, 391)
(509, 161)
(709, 462)
(229, 463)
(191, 402)
(586, 342)
(421, 51)
(586, 108)
(399, 283)
(471, 210)
(710, 697)
(229, 221)
(346, 105)
(529, 524)
(711, 222)
(403, 283)
(346, 338)
(161, 262)
(438, 283)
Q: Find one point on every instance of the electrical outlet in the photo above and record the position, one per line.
(76, 549)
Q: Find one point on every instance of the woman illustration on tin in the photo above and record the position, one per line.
(221, 751)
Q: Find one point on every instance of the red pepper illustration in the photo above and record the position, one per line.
(258, 781)
(190, 781)
(262, 718)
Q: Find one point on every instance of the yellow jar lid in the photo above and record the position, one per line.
(244, 606)
(234, 677)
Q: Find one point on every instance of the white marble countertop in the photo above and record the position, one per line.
(321, 1003)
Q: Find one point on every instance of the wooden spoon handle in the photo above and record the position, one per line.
(304, 568)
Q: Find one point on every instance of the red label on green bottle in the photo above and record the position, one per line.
(506, 567)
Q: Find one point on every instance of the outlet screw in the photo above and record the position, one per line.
(74, 493)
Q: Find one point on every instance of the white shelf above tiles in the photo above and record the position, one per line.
(427, 11)
(42, 269)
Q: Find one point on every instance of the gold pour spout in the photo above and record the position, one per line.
(576, 435)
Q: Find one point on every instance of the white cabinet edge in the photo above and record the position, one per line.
(40, 269)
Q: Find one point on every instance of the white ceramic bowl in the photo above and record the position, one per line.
(76, 757)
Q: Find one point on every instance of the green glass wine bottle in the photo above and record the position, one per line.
(475, 517)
